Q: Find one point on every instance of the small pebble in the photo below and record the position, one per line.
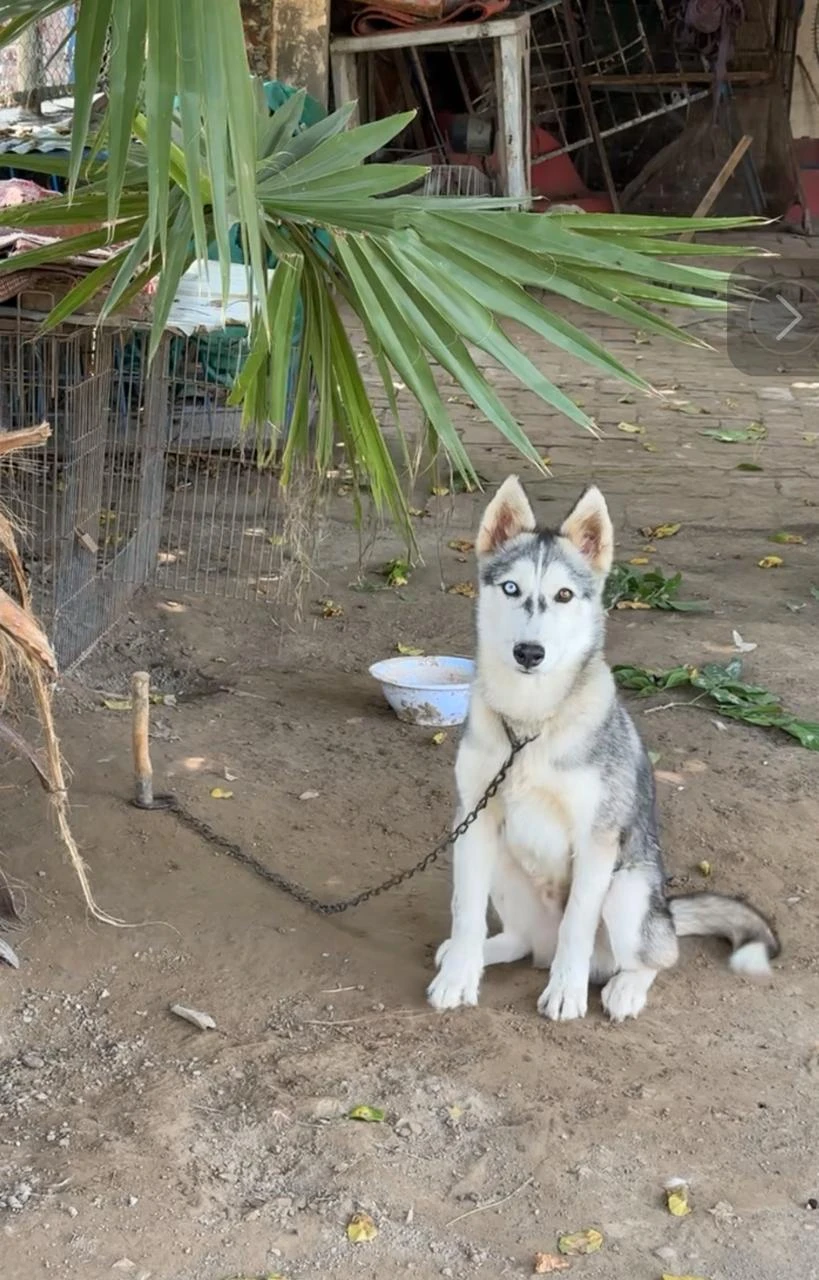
(33, 1061)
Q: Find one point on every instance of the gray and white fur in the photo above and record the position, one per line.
(568, 853)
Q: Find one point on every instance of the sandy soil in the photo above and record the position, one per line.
(132, 1144)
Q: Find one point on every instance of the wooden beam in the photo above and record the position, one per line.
(652, 78)
(706, 204)
(458, 33)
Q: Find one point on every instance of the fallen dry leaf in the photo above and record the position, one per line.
(676, 1198)
(547, 1263)
(631, 428)
(788, 539)
(694, 766)
(361, 1229)
(117, 704)
(440, 491)
(220, 793)
(463, 589)
(663, 775)
(369, 1115)
(771, 562)
(632, 604)
(461, 544)
(704, 867)
(639, 560)
(578, 1243)
(439, 737)
(661, 531)
(409, 650)
(195, 1016)
(418, 512)
(744, 646)
(329, 609)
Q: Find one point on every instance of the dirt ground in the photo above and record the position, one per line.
(132, 1144)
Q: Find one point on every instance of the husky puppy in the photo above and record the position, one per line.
(568, 852)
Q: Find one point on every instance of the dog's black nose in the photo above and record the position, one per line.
(529, 655)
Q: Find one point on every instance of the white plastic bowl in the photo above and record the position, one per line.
(426, 691)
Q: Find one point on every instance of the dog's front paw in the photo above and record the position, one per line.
(441, 952)
(625, 995)
(565, 998)
(458, 978)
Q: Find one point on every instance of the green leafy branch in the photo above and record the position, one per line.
(722, 688)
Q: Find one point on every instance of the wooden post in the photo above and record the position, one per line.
(345, 83)
(143, 773)
(514, 126)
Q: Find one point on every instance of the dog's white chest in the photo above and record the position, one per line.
(544, 816)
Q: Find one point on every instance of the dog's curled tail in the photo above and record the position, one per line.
(715, 915)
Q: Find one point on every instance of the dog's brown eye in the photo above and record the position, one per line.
(564, 595)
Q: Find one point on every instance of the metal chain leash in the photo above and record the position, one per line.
(302, 895)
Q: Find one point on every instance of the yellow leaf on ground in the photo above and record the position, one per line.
(461, 544)
(661, 531)
(676, 1198)
(329, 609)
(440, 491)
(463, 589)
(117, 704)
(631, 428)
(788, 539)
(547, 1263)
(409, 650)
(370, 1115)
(639, 560)
(361, 1229)
(704, 867)
(632, 604)
(771, 562)
(578, 1243)
(439, 737)
(219, 793)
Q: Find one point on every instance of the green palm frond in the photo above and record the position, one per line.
(187, 152)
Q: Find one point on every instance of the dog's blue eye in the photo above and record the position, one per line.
(510, 588)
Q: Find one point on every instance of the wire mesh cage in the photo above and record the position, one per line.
(87, 535)
(148, 477)
(40, 64)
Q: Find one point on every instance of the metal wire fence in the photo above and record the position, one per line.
(40, 65)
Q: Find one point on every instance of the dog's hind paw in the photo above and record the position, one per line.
(458, 979)
(564, 1001)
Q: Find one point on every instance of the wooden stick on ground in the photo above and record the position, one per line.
(143, 773)
(706, 204)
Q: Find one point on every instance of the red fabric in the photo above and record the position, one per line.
(394, 15)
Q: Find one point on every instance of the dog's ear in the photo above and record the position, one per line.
(588, 526)
(507, 515)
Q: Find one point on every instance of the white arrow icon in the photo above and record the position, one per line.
(797, 318)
